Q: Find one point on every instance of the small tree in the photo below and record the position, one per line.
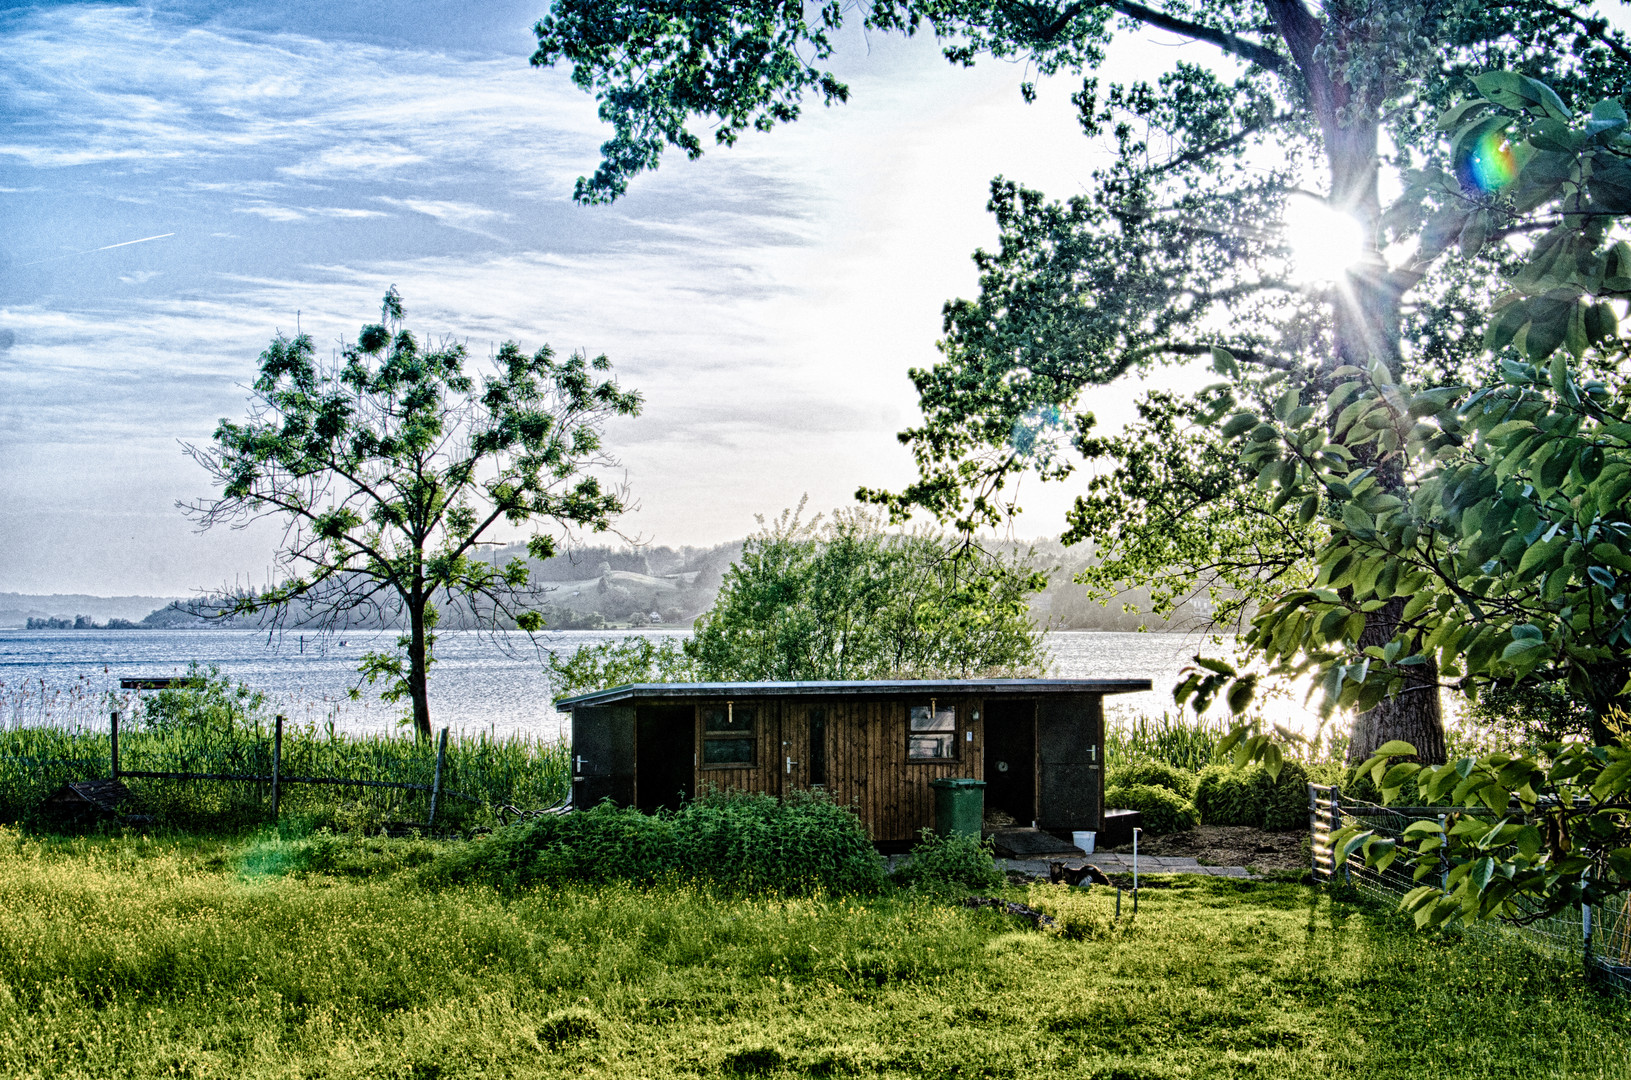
(390, 466)
(846, 599)
(841, 598)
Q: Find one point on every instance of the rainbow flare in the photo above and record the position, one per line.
(1489, 163)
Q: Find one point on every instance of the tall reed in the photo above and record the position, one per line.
(49, 736)
(1177, 739)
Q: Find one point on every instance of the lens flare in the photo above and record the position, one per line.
(1489, 163)
(1325, 243)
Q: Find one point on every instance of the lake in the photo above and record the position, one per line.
(480, 681)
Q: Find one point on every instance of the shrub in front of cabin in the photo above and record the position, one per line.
(1153, 774)
(734, 841)
(938, 862)
(1161, 811)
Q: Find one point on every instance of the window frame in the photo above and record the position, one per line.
(750, 736)
(954, 707)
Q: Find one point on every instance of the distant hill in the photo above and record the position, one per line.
(17, 608)
(591, 587)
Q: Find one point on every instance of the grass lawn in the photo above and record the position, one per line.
(136, 957)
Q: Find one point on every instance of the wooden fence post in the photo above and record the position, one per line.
(113, 743)
(277, 765)
(436, 782)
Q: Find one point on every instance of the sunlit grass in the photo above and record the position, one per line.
(133, 957)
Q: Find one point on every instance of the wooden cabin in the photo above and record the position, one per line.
(875, 746)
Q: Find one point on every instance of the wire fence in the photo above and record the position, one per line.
(1599, 937)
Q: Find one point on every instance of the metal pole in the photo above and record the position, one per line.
(277, 766)
(1135, 870)
(1585, 932)
(436, 784)
(113, 743)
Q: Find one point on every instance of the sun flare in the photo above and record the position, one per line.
(1325, 243)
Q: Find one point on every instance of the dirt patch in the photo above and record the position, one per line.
(1230, 845)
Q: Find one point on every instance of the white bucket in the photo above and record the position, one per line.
(1083, 840)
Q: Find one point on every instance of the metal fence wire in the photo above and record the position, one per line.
(1599, 936)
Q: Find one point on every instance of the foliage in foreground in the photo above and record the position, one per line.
(1523, 837)
(142, 958)
(732, 841)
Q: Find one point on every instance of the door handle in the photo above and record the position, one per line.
(790, 764)
(577, 764)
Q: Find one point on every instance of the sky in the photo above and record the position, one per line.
(180, 182)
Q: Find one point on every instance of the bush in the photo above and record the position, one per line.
(1226, 796)
(1153, 774)
(739, 842)
(949, 861)
(1162, 811)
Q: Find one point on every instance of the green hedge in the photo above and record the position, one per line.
(1162, 811)
(739, 842)
(1152, 774)
(1228, 796)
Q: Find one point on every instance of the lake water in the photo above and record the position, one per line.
(479, 682)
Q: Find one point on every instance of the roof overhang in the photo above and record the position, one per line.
(886, 688)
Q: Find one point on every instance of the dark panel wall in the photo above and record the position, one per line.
(1070, 774)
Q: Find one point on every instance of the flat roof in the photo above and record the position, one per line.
(854, 688)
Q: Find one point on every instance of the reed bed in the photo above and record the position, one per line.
(49, 736)
(1185, 742)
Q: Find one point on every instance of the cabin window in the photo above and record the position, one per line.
(727, 734)
(932, 732)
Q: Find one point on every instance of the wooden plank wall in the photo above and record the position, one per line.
(867, 766)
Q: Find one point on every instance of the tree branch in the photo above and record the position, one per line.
(1251, 51)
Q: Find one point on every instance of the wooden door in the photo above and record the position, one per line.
(805, 745)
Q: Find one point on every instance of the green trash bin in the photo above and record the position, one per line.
(959, 806)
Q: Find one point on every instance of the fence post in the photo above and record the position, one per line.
(1336, 825)
(1313, 834)
(277, 765)
(1585, 932)
(113, 742)
(436, 783)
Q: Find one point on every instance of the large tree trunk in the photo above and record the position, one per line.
(417, 687)
(1365, 328)
(1413, 714)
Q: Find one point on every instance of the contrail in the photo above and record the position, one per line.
(105, 247)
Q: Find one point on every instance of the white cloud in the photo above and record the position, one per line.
(456, 215)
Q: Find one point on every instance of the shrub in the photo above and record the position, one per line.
(1153, 774)
(949, 861)
(1162, 811)
(739, 842)
(1226, 796)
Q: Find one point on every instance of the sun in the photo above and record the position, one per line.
(1325, 243)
